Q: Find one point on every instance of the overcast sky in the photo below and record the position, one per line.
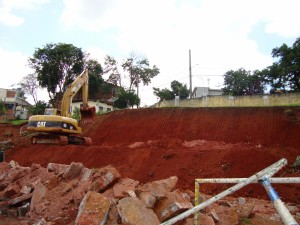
(221, 35)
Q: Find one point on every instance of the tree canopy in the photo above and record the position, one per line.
(177, 89)
(38, 108)
(139, 71)
(242, 82)
(126, 99)
(56, 66)
(111, 68)
(285, 73)
(95, 76)
(30, 86)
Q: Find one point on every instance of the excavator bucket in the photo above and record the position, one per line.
(87, 114)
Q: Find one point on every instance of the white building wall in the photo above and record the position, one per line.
(100, 106)
(2, 94)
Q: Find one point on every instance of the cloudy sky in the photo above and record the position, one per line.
(221, 35)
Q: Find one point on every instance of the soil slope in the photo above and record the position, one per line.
(152, 144)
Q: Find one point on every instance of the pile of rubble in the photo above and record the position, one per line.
(73, 194)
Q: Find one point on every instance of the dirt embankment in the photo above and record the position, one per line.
(152, 144)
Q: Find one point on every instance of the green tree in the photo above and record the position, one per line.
(285, 73)
(38, 108)
(126, 99)
(242, 82)
(139, 71)
(111, 68)
(30, 86)
(95, 76)
(177, 89)
(164, 94)
(56, 66)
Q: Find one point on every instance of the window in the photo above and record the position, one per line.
(100, 108)
(108, 109)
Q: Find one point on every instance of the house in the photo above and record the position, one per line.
(200, 92)
(16, 107)
(101, 107)
(102, 100)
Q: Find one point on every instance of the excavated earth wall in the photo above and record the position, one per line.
(151, 144)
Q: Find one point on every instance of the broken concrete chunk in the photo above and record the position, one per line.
(13, 164)
(132, 211)
(73, 170)
(16, 173)
(172, 205)
(93, 209)
(42, 222)
(241, 201)
(85, 174)
(113, 217)
(25, 190)
(122, 188)
(11, 191)
(104, 178)
(160, 188)
(39, 192)
(148, 199)
(57, 168)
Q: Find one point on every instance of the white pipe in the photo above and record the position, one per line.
(269, 170)
(274, 180)
(284, 213)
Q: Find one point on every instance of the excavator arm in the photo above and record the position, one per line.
(87, 113)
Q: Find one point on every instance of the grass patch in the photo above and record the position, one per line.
(18, 122)
(245, 220)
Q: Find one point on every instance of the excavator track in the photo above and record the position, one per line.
(60, 140)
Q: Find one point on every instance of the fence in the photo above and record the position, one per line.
(235, 101)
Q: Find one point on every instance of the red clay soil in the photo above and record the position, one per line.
(152, 144)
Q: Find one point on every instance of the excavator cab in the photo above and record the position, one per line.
(87, 114)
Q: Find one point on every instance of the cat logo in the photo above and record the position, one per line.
(41, 124)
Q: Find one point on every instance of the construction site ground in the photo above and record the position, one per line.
(190, 143)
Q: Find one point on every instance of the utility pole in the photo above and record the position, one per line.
(190, 68)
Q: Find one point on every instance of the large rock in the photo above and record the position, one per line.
(148, 199)
(103, 178)
(174, 204)
(93, 209)
(133, 211)
(57, 168)
(74, 170)
(124, 186)
(39, 192)
(160, 188)
(16, 173)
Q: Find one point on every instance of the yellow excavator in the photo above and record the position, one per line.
(56, 126)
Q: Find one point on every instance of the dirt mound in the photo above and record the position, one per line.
(190, 143)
